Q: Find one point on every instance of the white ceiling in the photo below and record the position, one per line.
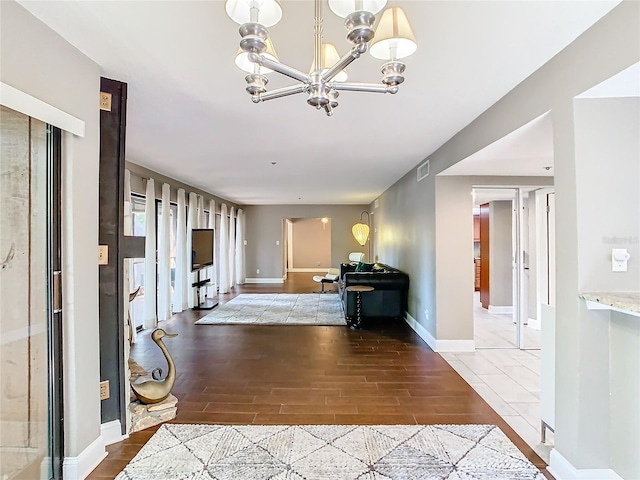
(624, 84)
(189, 117)
(527, 151)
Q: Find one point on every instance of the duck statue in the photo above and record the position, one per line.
(153, 391)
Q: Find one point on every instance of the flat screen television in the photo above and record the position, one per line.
(201, 248)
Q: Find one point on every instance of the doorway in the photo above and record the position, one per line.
(513, 271)
(31, 412)
(307, 244)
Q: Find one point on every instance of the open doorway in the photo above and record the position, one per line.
(307, 244)
(513, 259)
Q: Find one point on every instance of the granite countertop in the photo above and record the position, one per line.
(627, 301)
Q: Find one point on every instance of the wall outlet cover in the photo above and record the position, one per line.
(103, 254)
(104, 390)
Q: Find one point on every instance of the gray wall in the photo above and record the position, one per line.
(501, 256)
(37, 61)
(139, 175)
(608, 171)
(264, 225)
(607, 149)
(625, 394)
(407, 213)
(416, 218)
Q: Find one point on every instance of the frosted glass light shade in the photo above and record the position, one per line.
(394, 37)
(240, 11)
(329, 58)
(243, 62)
(342, 8)
(361, 233)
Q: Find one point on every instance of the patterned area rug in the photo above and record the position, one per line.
(329, 452)
(278, 309)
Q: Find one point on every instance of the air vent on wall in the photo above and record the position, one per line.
(423, 170)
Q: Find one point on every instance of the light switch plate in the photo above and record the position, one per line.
(103, 254)
(619, 265)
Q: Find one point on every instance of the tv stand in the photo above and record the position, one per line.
(205, 304)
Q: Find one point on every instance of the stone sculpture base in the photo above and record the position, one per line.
(145, 416)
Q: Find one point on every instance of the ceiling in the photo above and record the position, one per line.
(527, 151)
(624, 84)
(189, 117)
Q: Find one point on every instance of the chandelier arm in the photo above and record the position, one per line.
(364, 87)
(279, 67)
(346, 59)
(283, 92)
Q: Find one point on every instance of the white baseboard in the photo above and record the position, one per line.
(534, 323)
(562, 469)
(439, 345)
(264, 280)
(111, 432)
(501, 309)
(309, 270)
(78, 468)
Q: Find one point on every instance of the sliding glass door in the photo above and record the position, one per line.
(30, 296)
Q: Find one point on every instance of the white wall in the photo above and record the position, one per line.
(38, 62)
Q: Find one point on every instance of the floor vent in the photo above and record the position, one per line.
(423, 170)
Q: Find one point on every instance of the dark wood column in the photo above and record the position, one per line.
(113, 114)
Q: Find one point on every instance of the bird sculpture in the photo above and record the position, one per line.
(153, 391)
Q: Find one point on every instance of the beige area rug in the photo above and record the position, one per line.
(329, 452)
(278, 309)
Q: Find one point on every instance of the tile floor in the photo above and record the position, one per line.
(498, 330)
(508, 379)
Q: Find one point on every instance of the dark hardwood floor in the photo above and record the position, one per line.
(244, 374)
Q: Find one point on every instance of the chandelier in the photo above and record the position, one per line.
(393, 40)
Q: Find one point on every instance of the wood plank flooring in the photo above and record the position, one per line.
(250, 374)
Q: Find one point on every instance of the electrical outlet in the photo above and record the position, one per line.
(258, 271)
(426, 313)
(104, 390)
(103, 254)
(277, 242)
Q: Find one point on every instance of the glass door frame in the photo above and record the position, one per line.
(54, 301)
